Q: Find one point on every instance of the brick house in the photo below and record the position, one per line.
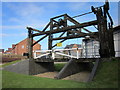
(1, 50)
(22, 47)
(73, 52)
(8, 51)
(73, 46)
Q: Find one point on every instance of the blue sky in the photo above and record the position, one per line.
(16, 16)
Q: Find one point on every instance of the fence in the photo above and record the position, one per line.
(59, 53)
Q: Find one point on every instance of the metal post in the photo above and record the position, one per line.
(35, 54)
(77, 54)
(53, 55)
(86, 50)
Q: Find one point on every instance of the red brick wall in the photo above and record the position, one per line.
(22, 47)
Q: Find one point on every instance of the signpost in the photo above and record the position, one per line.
(59, 44)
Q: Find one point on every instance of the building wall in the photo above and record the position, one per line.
(91, 49)
(74, 52)
(117, 43)
(22, 47)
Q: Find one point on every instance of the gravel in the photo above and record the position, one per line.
(79, 77)
(47, 74)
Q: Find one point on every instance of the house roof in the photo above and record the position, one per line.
(71, 45)
(117, 28)
(79, 45)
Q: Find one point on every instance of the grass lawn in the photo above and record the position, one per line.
(106, 77)
(59, 66)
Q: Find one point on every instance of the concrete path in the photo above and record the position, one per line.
(19, 67)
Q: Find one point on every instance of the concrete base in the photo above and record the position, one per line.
(93, 70)
(73, 67)
(40, 67)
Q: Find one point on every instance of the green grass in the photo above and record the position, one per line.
(11, 80)
(106, 77)
(59, 66)
(9, 63)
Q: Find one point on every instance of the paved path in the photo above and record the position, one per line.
(19, 67)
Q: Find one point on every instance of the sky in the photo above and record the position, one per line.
(16, 16)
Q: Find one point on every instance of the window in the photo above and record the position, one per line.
(22, 46)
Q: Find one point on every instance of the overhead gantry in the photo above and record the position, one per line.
(59, 24)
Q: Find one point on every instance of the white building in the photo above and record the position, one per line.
(91, 47)
(117, 41)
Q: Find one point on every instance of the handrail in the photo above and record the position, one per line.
(54, 51)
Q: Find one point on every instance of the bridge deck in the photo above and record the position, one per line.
(65, 60)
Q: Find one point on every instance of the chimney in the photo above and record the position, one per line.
(13, 46)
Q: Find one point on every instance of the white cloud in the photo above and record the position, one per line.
(77, 6)
(13, 19)
(12, 27)
(3, 35)
(18, 27)
(26, 10)
(28, 14)
(30, 10)
(9, 35)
